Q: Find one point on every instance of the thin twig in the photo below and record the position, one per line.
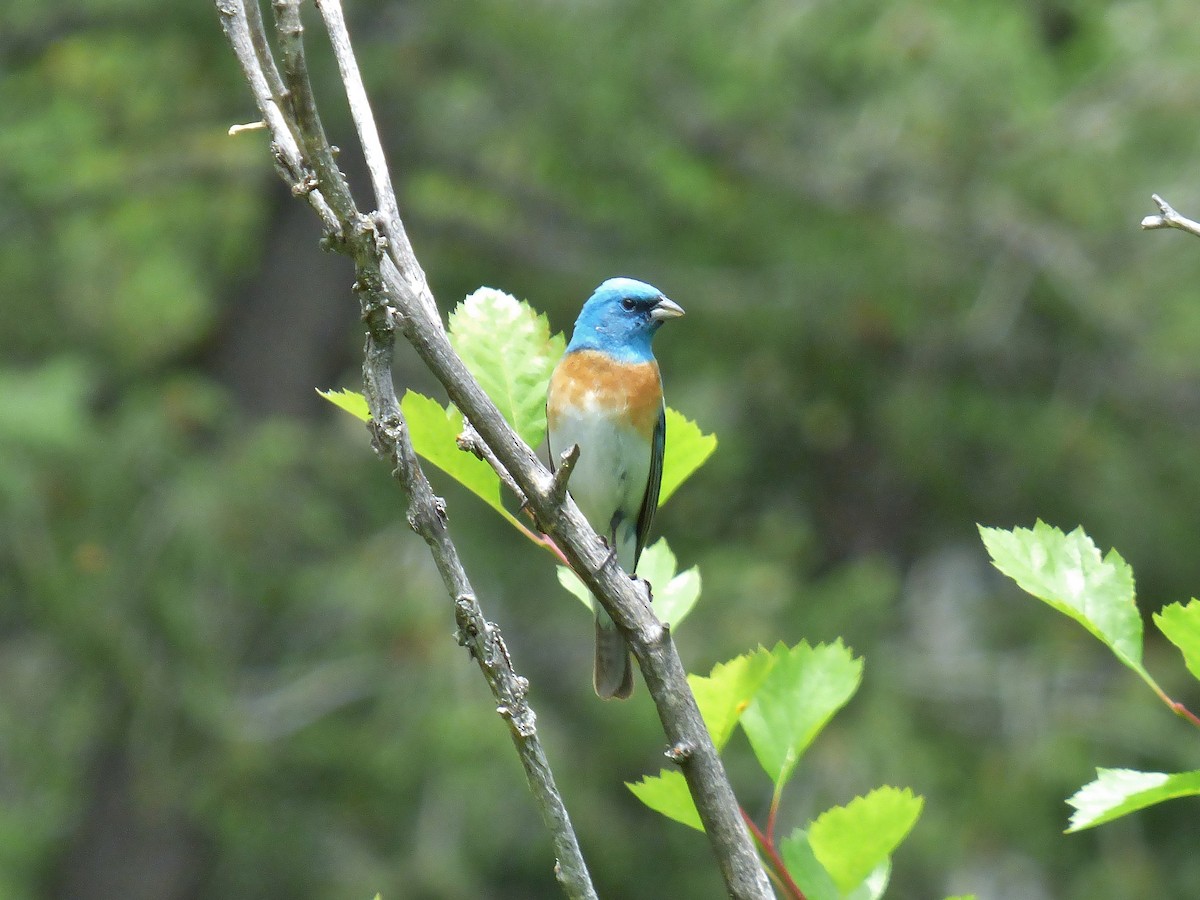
(470, 442)
(1168, 218)
(399, 247)
(285, 150)
(262, 49)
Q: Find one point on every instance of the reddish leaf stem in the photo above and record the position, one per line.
(767, 845)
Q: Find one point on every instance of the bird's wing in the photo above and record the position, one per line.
(650, 501)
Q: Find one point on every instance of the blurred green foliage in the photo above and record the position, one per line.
(905, 235)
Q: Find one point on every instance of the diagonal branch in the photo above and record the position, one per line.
(426, 511)
(427, 516)
(395, 295)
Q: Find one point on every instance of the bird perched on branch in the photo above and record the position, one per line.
(606, 396)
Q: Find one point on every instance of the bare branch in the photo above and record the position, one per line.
(399, 247)
(1168, 218)
(258, 37)
(395, 295)
(427, 515)
(285, 149)
(301, 105)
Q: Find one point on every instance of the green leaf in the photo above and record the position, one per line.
(508, 347)
(805, 687)
(805, 869)
(572, 582)
(725, 693)
(667, 793)
(816, 883)
(1181, 625)
(433, 431)
(1067, 572)
(351, 401)
(873, 885)
(686, 450)
(1118, 792)
(674, 594)
(852, 841)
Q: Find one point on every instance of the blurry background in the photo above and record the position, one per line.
(906, 237)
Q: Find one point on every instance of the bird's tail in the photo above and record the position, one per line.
(612, 676)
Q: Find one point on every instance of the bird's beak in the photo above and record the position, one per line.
(666, 309)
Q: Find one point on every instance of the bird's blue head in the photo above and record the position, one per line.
(621, 317)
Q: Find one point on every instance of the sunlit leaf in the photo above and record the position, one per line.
(1181, 625)
(852, 841)
(687, 449)
(667, 793)
(433, 431)
(1068, 573)
(508, 347)
(725, 693)
(674, 593)
(803, 690)
(351, 401)
(1118, 792)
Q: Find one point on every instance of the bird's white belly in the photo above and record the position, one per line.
(610, 477)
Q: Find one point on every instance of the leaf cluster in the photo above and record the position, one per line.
(1068, 573)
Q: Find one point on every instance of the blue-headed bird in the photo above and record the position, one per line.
(606, 396)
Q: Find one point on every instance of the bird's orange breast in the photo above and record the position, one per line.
(590, 380)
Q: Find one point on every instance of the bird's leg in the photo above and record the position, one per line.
(612, 551)
(610, 541)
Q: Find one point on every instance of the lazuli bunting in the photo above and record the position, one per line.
(606, 396)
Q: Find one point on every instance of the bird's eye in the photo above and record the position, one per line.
(628, 304)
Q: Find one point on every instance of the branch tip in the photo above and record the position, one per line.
(1169, 218)
(556, 493)
(235, 130)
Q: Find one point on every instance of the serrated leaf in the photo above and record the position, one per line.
(508, 347)
(351, 401)
(433, 431)
(810, 876)
(725, 693)
(805, 687)
(1067, 572)
(667, 793)
(1118, 792)
(686, 450)
(852, 841)
(674, 594)
(1181, 625)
